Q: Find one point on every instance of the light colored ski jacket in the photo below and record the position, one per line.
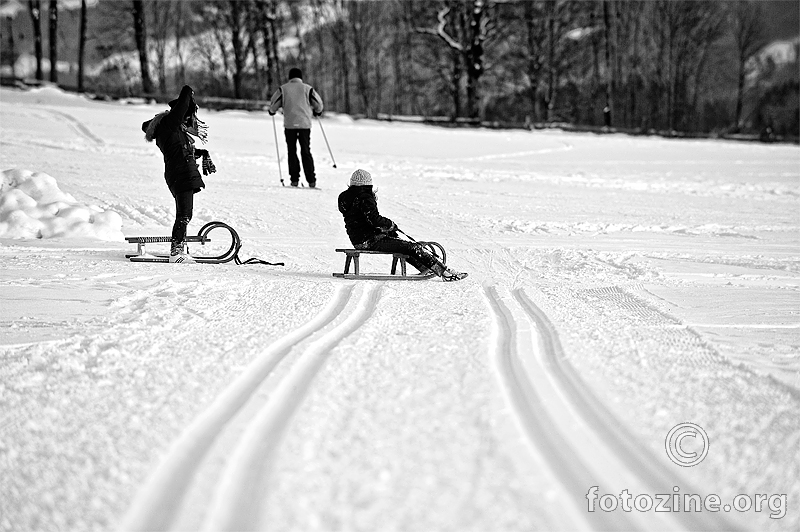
(299, 102)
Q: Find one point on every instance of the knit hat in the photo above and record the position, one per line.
(360, 178)
(295, 73)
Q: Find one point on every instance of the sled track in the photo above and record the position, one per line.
(159, 500)
(583, 442)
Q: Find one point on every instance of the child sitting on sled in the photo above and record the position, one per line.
(370, 231)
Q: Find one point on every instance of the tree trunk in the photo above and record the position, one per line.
(609, 68)
(551, 54)
(474, 57)
(35, 8)
(82, 46)
(301, 45)
(273, 31)
(263, 21)
(53, 40)
(140, 28)
(533, 57)
(11, 47)
(740, 94)
(238, 49)
(595, 65)
(456, 83)
(179, 17)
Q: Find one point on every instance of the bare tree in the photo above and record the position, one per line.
(268, 18)
(161, 30)
(53, 39)
(471, 25)
(339, 34)
(551, 10)
(365, 25)
(748, 32)
(12, 51)
(35, 9)
(297, 22)
(535, 40)
(82, 46)
(609, 68)
(140, 29)
(237, 27)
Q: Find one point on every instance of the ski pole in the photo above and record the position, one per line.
(326, 141)
(277, 150)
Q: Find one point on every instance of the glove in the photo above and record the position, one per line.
(271, 113)
(317, 114)
(208, 165)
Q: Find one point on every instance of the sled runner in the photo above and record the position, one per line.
(352, 257)
(218, 254)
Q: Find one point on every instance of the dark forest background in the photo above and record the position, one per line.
(674, 66)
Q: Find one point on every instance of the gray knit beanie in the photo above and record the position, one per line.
(360, 178)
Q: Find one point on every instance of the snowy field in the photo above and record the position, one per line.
(618, 287)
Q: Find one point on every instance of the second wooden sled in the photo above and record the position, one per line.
(352, 258)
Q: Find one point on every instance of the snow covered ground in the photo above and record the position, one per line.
(618, 287)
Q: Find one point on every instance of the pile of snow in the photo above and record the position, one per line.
(32, 206)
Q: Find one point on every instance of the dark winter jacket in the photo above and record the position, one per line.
(361, 218)
(180, 167)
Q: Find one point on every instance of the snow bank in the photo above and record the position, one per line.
(32, 206)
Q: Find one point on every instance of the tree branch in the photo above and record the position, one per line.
(441, 32)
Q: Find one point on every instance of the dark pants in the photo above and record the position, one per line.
(417, 257)
(184, 201)
(304, 136)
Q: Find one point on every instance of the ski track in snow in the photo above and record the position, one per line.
(242, 484)
(603, 428)
(242, 489)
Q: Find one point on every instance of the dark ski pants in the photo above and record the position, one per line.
(304, 137)
(184, 202)
(417, 256)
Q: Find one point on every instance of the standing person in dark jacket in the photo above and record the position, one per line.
(368, 230)
(172, 130)
(300, 102)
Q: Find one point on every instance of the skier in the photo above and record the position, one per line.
(368, 230)
(172, 130)
(299, 101)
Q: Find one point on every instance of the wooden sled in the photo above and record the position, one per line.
(352, 257)
(202, 238)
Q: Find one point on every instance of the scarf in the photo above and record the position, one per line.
(198, 128)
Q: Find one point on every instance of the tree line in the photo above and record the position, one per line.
(667, 65)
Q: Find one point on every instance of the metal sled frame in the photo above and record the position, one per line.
(141, 254)
(352, 257)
